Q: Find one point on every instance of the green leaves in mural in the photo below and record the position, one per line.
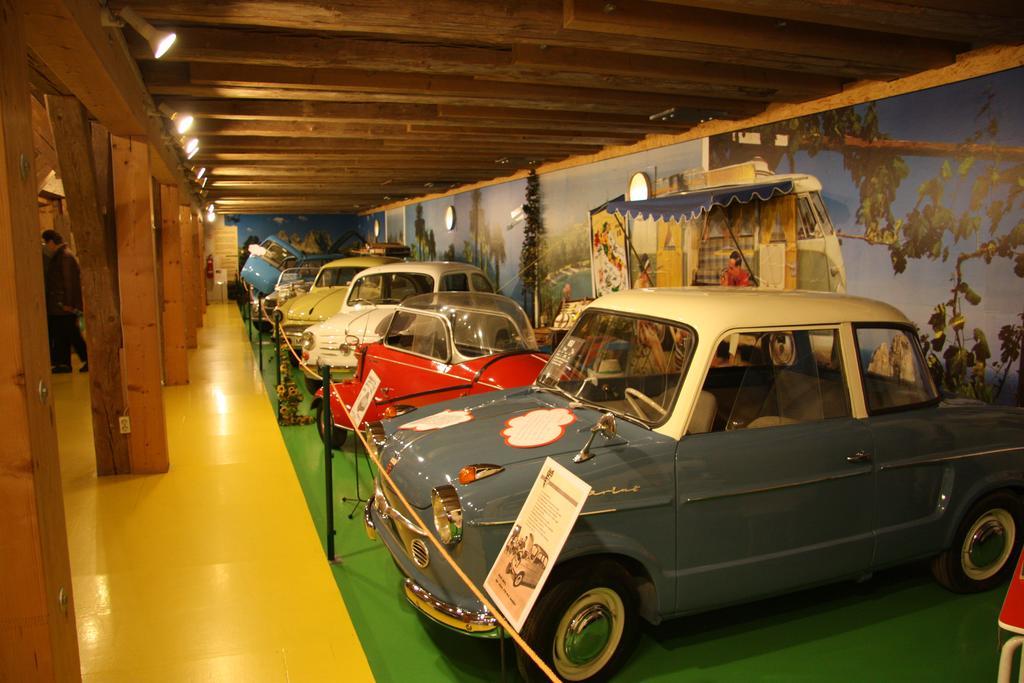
(934, 229)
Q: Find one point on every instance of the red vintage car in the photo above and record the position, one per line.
(438, 347)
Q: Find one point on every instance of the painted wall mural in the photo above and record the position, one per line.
(313, 233)
(927, 194)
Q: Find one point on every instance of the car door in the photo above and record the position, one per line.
(414, 366)
(909, 430)
(779, 493)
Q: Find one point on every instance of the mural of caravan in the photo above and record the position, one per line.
(778, 224)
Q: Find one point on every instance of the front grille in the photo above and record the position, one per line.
(419, 553)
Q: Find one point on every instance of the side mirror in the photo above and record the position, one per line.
(605, 426)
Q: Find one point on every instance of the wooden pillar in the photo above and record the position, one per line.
(189, 274)
(38, 641)
(203, 280)
(73, 142)
(133, 212)
(175, 347)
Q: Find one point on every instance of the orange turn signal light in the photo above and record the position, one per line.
(471, 473)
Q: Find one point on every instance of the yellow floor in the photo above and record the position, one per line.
(211, 572)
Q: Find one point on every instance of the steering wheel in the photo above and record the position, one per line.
(634, 395)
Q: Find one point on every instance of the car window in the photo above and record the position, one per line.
(893, 371)
(769, 379)
(481, 284)
(476, 334)
(628, 365)
(400, 286)
(455, 282)
(275, 254)
(807, 222)
(336, 277)
(416, 333)
(389, 288)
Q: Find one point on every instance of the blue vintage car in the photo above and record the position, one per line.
(266, 261)
(739, 444)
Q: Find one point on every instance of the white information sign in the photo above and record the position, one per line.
(537, 537)
(366, 392)
(445, 418)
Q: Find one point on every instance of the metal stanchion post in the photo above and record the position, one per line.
(501, 646)
(259, 332)
(328, 428)
(277, 359)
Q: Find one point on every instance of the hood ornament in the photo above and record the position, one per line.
(605, 426)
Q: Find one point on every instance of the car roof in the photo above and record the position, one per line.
(360, 261)
(478, 301)
(725, 308)
(428, 267)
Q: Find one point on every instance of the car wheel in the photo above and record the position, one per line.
(583, 625)
(984, 547)
(313, 385)
(338, 435)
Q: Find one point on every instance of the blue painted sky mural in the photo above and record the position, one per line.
(927, 190)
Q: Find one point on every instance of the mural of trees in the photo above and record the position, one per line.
(426, 246)
(964, 214)
(533, 236)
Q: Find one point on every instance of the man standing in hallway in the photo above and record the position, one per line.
(63, 304)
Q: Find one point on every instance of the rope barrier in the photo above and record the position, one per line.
(372, 454)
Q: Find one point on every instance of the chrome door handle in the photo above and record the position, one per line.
(859, 456)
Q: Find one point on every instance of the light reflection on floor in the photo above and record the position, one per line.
(211, 572)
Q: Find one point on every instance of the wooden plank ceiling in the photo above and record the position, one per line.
(312, 106)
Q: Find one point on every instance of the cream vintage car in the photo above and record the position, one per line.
(367, 306)
(326, 296)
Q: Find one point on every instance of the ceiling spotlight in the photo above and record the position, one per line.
(192, 145)
(503, 160)
(663, 115)
(182, 122)
(203, 181)
(159, 41)
(200, 173)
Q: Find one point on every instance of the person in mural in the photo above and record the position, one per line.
(735, 275)
(644, 278)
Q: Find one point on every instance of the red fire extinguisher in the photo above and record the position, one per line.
(209, 267)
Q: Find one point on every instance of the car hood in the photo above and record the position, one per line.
(316, 306)
(419, 461)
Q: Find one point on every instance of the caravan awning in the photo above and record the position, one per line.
(689, 205)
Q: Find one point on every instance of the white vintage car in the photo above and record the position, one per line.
(371, 299)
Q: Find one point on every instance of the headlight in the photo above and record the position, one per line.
(447, 514)
(308, 341)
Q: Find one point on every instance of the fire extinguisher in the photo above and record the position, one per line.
(209, 267)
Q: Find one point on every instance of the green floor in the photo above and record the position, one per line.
(899, 626)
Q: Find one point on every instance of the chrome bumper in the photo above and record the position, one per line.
(477, 624)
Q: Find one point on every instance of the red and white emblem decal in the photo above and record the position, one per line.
(537, 427)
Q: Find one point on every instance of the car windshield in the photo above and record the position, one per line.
(337, 277)
(275, 254)
(629, 365)
(481, 333)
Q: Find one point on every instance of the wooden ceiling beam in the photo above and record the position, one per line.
(173, 87)
(316, 51)
(658, 21)
(441, 115)
(478, 90)
(356, 165)
(785, 84)
(413, 133)
(543, 22)
(92, 62)
(996, 21)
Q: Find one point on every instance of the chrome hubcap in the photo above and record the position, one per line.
(587, 634)
(988, 544)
